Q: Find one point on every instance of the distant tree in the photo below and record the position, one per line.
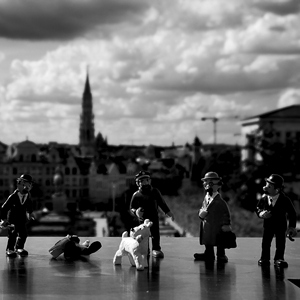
(100, 141)
(269, 155)
(225, 161)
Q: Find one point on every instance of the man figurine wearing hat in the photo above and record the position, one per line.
(144, 204)
(273, 207)
(214, 218)
(17, 211)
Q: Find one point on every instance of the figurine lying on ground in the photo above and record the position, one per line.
(135, 246)
(72, 249)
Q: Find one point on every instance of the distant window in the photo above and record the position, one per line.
(15, 171)
(67, 171)
(85, 193)
(47, 182)
(74, 193)
(21, 158)
(288, 135)
(33, 158)
(74, 171)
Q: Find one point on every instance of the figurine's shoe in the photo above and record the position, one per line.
(203, 257)
(281, 263)
(158, 254)
(222, 259)
(11, 253)
(22, 252)
(264, 262)
(95, 246)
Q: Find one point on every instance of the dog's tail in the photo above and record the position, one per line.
(124, 234)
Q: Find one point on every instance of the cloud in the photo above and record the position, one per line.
(64, 19)
(161, 70)
(279, 7)
(289, 97)
(2, 56)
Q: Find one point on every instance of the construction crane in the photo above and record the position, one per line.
(215, 120)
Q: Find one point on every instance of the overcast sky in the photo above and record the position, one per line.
(155, 67)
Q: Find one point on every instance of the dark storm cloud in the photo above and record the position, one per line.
(282, 8)
(63, 19)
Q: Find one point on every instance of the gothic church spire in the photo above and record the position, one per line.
(87, 129)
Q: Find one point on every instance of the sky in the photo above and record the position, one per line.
(156, 67)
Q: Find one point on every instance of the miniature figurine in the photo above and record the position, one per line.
(215, 218)
(273, 207)
(144, 205)
(17, 211)
(73, 249)
(135, 246)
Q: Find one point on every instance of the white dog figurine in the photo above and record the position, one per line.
(135, 246)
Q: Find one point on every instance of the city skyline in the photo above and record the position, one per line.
(156, 68)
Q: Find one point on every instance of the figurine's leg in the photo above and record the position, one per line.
(72, 251)
(22, 230)
(268, 235)
(118, 258)
(92, 248)
(145, 260)
(131, 259)
(138, 260)
(155, 236)
(280, 245)
(12, 238)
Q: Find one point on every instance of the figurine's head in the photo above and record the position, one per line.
(24, 184)
(142, 230)
(211, 182)
(274, 185)
(143, 180)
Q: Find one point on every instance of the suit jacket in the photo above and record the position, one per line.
(14, 211)
(218, 215)
(151, 202)
(282, 209)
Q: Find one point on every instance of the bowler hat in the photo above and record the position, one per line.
(275, 179)
(211, 175)
(141, 175)
(25, 177)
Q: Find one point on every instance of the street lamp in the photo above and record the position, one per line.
(215, 120)
(113, 185)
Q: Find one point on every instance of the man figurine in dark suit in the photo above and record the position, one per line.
(274, 207)
(215, 218)
(17, 211)
(145, 204)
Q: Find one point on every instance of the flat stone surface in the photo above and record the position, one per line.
(177, 276)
